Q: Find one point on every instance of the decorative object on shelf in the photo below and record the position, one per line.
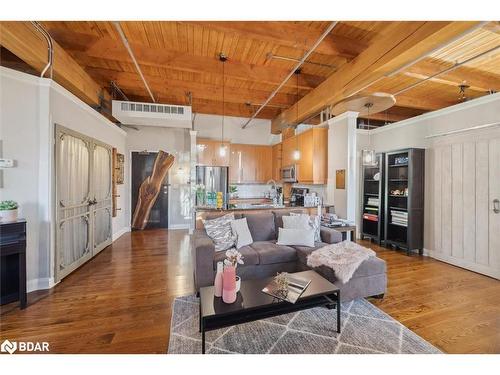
(401, 160)
(8, 211)
(376, 176)
(222, 148)
(229, 284)
(218, 280)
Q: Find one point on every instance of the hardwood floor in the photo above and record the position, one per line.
(119, 302)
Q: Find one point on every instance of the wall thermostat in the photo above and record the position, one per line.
(6, 163)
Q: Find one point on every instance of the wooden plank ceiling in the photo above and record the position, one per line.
(181, 57)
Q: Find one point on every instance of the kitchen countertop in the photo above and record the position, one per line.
(248, 206)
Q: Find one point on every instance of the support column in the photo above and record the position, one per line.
(342, 156)
(192, 179)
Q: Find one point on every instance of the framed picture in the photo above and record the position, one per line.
(340, 179)
(120, 168)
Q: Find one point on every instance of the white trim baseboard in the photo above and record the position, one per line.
(40, 284)
(120, 233)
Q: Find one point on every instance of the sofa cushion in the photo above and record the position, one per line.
(271, 253)
(250, 257)
(261, 226)
(304, 251)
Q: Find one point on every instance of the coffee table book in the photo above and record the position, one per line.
(296, 286)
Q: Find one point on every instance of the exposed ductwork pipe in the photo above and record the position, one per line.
(270, 56)
(297, 66)
(129, 49)
(50, 48)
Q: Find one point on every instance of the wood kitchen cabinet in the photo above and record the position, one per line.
(288, 147)
(207, 152)
(313, 147)
(277, 159)
(250, 163)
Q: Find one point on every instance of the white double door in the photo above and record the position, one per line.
(83, 199)
(465, 184)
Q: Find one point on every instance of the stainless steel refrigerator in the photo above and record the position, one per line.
(211, 180)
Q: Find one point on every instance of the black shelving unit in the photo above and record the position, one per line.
(372, 210)
(404, 199)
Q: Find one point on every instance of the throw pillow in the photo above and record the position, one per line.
(219, 230)
(314, 222)
(297, 237)
(296, 222)
(242, 233)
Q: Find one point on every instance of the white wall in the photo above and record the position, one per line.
(29, 107)
(257, 132)
(412, 133)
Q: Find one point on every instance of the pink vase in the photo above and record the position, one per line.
(218, 280)
(229, 284)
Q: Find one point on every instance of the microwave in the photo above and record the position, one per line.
(289, 173)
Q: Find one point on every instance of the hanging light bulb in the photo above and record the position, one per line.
(222, 148)
(296, 153)
(368, 156)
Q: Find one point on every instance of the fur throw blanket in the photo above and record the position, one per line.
(343, 258)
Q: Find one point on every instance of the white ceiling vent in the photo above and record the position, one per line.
(152, 114)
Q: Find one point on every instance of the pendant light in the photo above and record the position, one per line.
(296, 152)
(222, 148)
(368, 155)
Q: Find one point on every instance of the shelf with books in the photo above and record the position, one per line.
(372, 212)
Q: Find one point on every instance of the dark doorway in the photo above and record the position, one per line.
(142, 166)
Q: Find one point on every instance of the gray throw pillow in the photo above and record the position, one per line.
(219, 230)
(242, 233)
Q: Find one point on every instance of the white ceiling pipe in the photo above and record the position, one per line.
(297, 66)
(127, 46)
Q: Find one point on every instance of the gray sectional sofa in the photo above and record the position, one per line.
(264, 258)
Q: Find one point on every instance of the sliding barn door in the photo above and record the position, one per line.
(465, 185)
(83, 199)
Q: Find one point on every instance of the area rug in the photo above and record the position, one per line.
(365, 329)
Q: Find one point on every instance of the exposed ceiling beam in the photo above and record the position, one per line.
(23, 40)
(296, 35)
(130, 81)
(399, 44)
(477, 79)
(110, 50)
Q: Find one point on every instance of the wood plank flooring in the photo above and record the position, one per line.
(119, 302)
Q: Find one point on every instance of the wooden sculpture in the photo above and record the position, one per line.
(150, 188)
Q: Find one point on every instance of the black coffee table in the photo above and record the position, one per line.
(252, 304)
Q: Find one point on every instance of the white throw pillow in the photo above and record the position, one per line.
(296, 222)
(314, 223)
(219, 230)
(242, 233)
(298, 237)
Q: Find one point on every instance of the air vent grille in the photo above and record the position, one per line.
(152, 108)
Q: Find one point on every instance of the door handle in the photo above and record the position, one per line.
(496, 206)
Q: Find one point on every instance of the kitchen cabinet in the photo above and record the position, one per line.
(277, 158)
(207, 152)
(264, 167)
(250, 163)
(313, 147)
(289, 145)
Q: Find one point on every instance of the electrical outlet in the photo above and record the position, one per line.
(6, 163)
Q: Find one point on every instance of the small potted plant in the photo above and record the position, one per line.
(233, 191)
(8, 211)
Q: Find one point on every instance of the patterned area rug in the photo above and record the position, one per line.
(365, 329)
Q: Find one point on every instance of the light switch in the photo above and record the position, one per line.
(6, 163)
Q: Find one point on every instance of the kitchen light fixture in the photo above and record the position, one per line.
(368, 155)
(296, 153)
(222, 148)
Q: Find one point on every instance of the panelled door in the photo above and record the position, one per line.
(83, 199)
(465, 185)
